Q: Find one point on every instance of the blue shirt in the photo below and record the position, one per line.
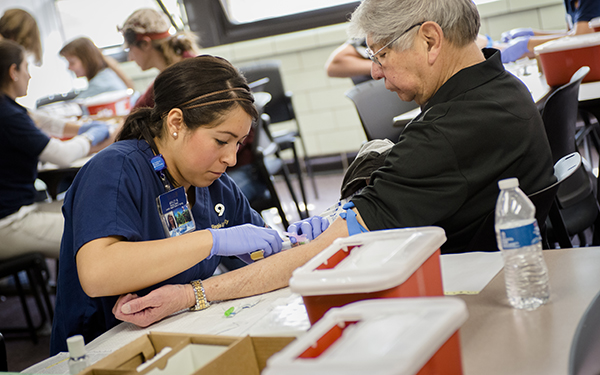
(104, 81)
(21, 143)
(114, 194)
(586, 11)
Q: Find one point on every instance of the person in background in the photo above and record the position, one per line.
(350, 60)
(520, 42)
(22, 145)
(445, 167)
(102, 72)
(116, 241)
(20, 26)
(146, 34)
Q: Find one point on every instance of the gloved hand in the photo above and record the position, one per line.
(311, 227)
(515, 50)
(95, 131)
(244, 239)
(507, 36)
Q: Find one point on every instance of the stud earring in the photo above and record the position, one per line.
(174, 134)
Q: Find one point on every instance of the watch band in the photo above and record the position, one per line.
(201, 302)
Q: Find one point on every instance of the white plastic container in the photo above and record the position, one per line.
(402, 336)
(562, 57)
(379, 264)
(109, 104)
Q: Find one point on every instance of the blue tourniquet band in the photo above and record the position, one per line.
(354, 226)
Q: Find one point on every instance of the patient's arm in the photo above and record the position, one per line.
(271, 273)
(262, 276)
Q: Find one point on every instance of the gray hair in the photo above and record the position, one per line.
(383, 20)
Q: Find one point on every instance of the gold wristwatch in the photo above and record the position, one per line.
(201, 302)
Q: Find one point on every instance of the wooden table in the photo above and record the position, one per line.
(497, 339)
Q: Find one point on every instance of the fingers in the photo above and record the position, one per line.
(273, 242)
(308, 229)
(122, 300)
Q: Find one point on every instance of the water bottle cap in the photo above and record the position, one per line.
(76, 346)
(508, 183)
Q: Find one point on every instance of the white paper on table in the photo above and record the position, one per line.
(469, 273)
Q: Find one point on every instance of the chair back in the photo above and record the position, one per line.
(585, 348)
(543, 200)
(377, 107)
(279, 108)
(576, 197)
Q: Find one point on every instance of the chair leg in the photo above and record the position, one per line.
(300, 182)
(23, 299)
(286, 177)
(308, 167)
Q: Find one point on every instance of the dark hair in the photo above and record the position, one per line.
(10, 53)
(85, 50)
(20, 26)
(204, 88)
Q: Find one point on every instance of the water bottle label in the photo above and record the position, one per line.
(514, 238)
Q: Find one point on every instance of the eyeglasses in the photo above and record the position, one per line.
(373, 56)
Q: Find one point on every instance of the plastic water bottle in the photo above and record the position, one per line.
(518, 236)
(78, 358)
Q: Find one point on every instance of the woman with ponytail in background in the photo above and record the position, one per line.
(146, 34)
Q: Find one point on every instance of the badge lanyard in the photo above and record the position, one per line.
(173, 207)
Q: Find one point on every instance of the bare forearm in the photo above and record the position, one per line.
(108, 266)
(271, 273)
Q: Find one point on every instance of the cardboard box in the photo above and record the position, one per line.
(378, 264)
(401, 336)
(561, 58)
(190, 354)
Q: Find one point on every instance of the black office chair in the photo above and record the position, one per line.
(577, 201)
(281, 109)
(546, 211)
(268, 163)
(585, 348)
(377, 107)
(34, 265)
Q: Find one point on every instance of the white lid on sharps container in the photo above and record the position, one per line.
(378, 260)
(568, 43)
(380, 337)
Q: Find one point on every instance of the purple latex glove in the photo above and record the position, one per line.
(311, 227)
(515, 49)
(507, 36)
(244, 239)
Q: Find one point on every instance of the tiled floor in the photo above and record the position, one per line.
(22, 353)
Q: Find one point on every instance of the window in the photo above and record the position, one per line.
(244, 11)
(98, 20)
(226, 21)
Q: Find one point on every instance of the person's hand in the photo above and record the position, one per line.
(244, 239)
(156, 305)
(95, 131)
(516, 49)
(507, 36)
(311, 227)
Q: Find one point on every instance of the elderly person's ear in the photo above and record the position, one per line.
(433, 36)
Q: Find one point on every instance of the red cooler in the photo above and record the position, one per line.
(595, 24)
(109, 104)
(379, 264)
(402, 336)
(560, 58)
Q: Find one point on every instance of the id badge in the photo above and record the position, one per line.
(175, 212)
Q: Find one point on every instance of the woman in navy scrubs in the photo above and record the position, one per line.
(117, 244)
